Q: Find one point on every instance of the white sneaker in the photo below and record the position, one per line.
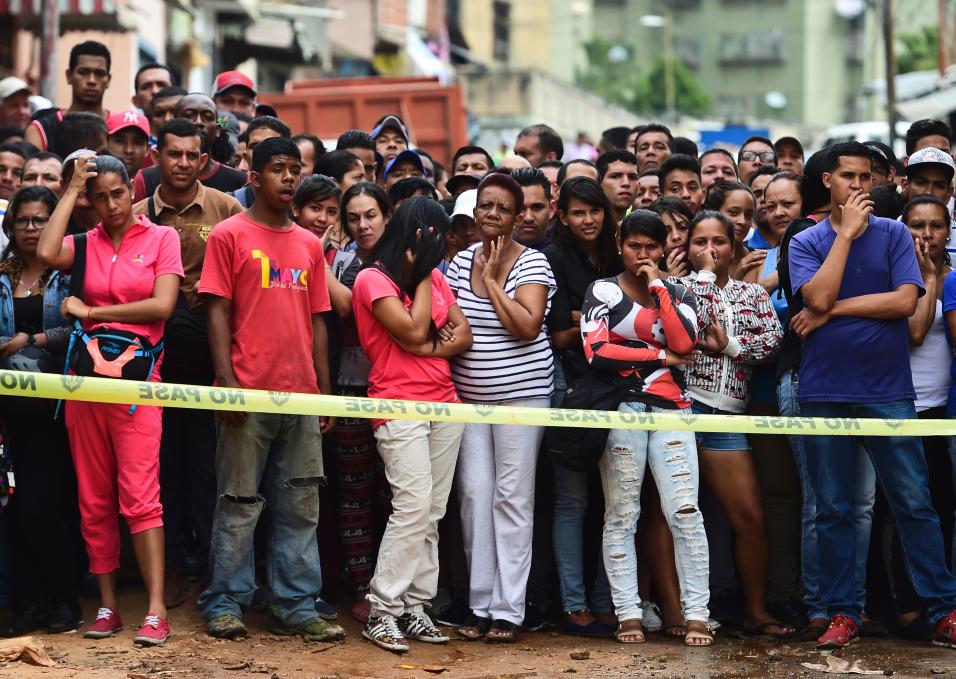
(384, 633)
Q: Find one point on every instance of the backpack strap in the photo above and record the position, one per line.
(151, 210)
(78, 270)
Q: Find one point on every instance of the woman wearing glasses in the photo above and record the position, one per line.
(44, 519)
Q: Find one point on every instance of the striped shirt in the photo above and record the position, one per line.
(500, 367)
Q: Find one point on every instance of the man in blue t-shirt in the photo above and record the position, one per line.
(860, 281)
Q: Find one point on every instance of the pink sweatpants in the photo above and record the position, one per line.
(116, 456)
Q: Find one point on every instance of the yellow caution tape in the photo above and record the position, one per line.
(102, 390)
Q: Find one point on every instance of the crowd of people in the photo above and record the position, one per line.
(214, 246)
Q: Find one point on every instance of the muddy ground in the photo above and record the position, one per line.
(190, 653)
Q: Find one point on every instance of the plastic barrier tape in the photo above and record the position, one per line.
(127, 392)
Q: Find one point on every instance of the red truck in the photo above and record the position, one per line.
(434, 113)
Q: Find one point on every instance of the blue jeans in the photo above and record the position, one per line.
(901, 469)
(672, 458)
(282, 455)
(864, 497)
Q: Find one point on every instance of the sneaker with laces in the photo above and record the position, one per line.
(154, 632)
(419, 626)
(325, 610)
(945, 633)
(383, 631)
(107, 623)
(840, 634)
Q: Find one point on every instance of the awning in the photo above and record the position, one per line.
(936, 105)
(75, 15)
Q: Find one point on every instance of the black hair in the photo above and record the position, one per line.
(762, 170)
(852, 149)
(671, 206)
(469, 150)
(644, 223)
(720, 190)
(90, 48)
(417, 225)
(371, 189)
(649, 173)
(878, 157)
(408, 187)
(813, 192)
(149, 67)
(270, 123)
(685, 146)
(548, 139)
(79, 130)
(14, 147)
(761, 139)
(46, 155)
(614, 156)
(8, 131)
(244, 117)
(656, 127)
(711, 214)
(678, 161)
(318, 148)
(590, 192)
(616, 137)
(506, 182)
(440, 172)
(178, 127)
(786, 175)
(170, 91)
(316, 187)
(888, 153)
(925, 199)
(30, 194)
(355, 139)
(532, 176)
(107, 164)
(563, 172)
(336, 164)
(551, 163)
(724, 152)
(927, 127)
(271, 147)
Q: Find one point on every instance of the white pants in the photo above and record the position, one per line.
(419, 462)
(496, 471)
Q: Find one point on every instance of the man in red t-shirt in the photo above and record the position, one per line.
(263, 280)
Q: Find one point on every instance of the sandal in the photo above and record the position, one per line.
(812, 630)
(502, 632)
(474, 628)
(763, 630)
(630, 632)
(698, 634)
(675, 631)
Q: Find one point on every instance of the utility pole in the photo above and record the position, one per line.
(890, 56)
(49, 37)
(941, 32)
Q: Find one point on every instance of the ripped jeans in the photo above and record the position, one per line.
(281, 456)
(672, 458)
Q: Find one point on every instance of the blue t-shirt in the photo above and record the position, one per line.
(949, 304)
(852, 359)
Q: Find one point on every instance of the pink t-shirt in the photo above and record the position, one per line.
(396, 373)
(127, 275)
(275, 280)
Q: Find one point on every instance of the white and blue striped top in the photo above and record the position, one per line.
(500, 367)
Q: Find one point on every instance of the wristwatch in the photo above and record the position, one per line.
(31, 340)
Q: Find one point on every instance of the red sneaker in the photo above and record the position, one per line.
(107, 624)
(840, 634)
(946, 631)
(154, 632)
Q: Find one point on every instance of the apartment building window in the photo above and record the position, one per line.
(501, 31)
(752, 47)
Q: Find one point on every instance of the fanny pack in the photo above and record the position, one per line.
(106, 352)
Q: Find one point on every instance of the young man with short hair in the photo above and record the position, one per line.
(472, 160)
(235, 92)
(539, 208)
(149, 80)
(258, 130)
(680, 177)
(539, 143)
(263, 274)
(926, 133)
(860, 281)
(789, 152)
(89, 77)
(12, 160)
(617, 173)
(360, 144)
(756, 152)
(128, 139)
(162, 107)
(653, 143)
(648, 189)
(43, 169)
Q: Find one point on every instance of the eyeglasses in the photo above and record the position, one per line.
(765, 156)
(39, 223)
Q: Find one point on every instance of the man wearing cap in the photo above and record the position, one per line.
(789, 154)
(930, 172)
(14, 102)
(89, 77)
(405, 164)
(128, 138)
(391, 137)
(235, 92)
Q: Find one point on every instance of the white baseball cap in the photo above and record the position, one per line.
(931, 156)
(12, 85)
(465, 204)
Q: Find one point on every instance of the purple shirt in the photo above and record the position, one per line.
(852, 359)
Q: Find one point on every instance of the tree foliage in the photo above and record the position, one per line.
(918, 51)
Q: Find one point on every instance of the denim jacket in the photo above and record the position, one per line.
(55, 326)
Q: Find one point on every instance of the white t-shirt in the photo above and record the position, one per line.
(930, 365)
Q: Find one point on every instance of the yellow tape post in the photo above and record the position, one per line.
(102, 390)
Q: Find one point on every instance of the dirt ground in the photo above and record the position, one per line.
(191, 653)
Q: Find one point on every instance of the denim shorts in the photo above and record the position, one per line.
(715, 440)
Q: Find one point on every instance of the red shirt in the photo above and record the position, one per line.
(127, 274)
(396, 373)
(275, 279)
